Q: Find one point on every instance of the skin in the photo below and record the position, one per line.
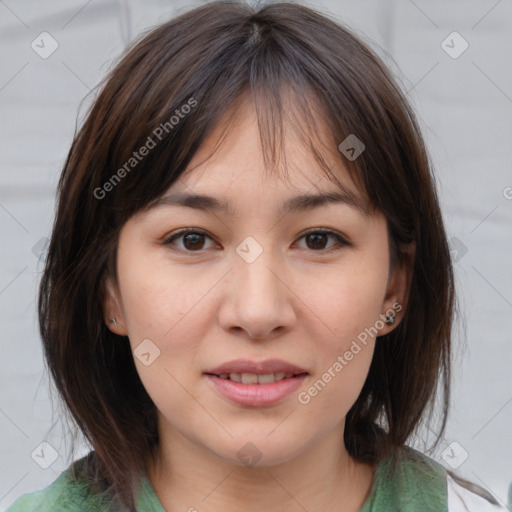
(297, 302)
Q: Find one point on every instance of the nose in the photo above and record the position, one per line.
(258, 299)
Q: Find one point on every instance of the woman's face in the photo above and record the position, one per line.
(249, 284)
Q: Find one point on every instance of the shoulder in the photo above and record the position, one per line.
(429, 477)
(407, 480)
(65, 494)
(462, 499)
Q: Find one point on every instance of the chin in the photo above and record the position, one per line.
(256, 451)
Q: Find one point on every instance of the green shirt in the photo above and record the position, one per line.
(418, 485)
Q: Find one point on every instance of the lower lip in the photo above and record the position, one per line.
(256, 395)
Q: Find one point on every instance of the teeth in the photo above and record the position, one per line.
(249, 378)
(268, 378)
(252, 378)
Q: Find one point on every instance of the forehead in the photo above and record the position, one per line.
(230, 166)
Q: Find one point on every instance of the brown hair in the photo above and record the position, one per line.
(207, 58)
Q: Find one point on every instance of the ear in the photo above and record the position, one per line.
(397, 292)
(111, 303)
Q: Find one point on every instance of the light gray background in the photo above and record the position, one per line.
(465, 108)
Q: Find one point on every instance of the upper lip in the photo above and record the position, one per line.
(258, 368)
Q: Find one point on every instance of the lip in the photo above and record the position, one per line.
(258, 368)
(256, 395)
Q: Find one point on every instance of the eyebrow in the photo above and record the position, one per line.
(300, 203)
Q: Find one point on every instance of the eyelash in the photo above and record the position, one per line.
(341, 242)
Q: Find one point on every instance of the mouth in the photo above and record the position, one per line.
(255, 378)
(239, 369)
(256, 384)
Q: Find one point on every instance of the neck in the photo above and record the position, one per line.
(186, 476)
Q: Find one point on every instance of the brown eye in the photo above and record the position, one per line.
(317, 240)
(192, 241)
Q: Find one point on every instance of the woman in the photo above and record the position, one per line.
(248, 294)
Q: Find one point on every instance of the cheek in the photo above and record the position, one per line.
(349, 309)
(350, 299)
(162, 307)
(342, 364)
(157, 300)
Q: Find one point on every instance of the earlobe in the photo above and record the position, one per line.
(397, 293)
(112, 313)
